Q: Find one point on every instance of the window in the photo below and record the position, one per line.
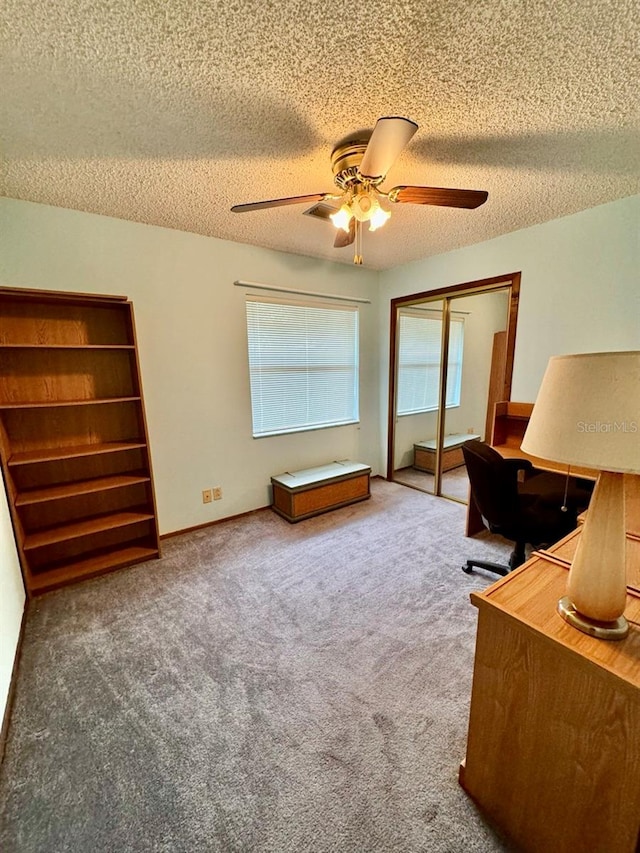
(303, 366)
(419, 361)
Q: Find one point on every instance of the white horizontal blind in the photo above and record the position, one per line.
(419, 362)
(454, 366)
(303, 366)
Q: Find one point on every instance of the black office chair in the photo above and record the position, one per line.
(531, 512)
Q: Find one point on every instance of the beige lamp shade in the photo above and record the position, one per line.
(587, 412)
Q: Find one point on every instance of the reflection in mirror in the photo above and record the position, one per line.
(475, 379)
(419, 347)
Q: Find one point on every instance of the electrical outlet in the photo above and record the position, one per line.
(207, 496)
(217, 493)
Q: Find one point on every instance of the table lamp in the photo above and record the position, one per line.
(587, 414)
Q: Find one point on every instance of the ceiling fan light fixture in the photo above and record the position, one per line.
(364, 205)
(378, 218)
(342, 217)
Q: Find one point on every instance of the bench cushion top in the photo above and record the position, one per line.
(310, 476)
(449, 441)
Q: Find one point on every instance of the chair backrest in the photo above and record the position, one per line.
(494, 484)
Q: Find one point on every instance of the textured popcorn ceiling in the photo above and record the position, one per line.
(168, 112)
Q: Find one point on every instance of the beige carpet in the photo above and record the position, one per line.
(264, 687)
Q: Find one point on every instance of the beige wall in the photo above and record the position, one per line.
(11, 599)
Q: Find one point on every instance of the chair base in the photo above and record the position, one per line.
(497, 568)
(516, 559)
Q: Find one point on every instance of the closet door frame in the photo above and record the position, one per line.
(510, 282)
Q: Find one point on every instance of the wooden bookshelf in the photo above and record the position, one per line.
(73, 438)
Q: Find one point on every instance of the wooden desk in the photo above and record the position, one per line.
(510, 422)
(553, 754)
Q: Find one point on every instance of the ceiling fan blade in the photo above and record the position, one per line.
(438, 195)
(389, 137)
(277, 202)
(343, 238)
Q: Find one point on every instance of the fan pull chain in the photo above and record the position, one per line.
(564, 507)
(357, 258)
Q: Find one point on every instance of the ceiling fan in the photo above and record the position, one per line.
(360, 164)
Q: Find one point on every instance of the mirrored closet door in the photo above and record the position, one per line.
(451, 361)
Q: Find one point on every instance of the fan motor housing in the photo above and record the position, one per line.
(345, 161)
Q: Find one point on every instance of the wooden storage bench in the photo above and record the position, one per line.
(301, 494)
(424, 452)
